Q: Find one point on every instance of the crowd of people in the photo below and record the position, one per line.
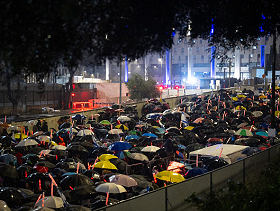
(75, 161)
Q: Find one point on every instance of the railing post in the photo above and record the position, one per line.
(165, 188)
(211, 184)
(244, 171)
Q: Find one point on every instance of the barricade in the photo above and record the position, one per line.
(173, 197)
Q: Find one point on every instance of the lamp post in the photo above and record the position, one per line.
(160, 60)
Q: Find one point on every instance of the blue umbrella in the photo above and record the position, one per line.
(262, 133)
(131, 137)
(68, 174)
(153, 115)
(195, 172)
(8, 158)
(150, 135)
(119, 146)
(78, 116)
(251, 150)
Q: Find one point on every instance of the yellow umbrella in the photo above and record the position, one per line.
(155, 126)
(17, 136)
(105, 165)
(234, 98)
(189, 128)
(277, 87)
(241, 108)
(107, 157)
(170, 176)
(262, 96)
(241, 96)
(122, 127)
(277, 113)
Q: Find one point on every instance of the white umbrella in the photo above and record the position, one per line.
(150, 149)
(85, 132)
(50, 202)
(115, 131)
(257, 113)
(31, 123)
(38, 133)
(27, 142)
(74, 130)
(45, 152)
(10, 129)
(110, 188)
(124, 119)
(138, 156)
(59, 147)
(124, 180)
(44, 138)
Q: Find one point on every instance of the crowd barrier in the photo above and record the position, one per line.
(173, 197)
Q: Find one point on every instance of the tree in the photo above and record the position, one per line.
(139, 88)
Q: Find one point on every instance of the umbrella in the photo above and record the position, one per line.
(31, 122)
(150, 135)
(170, 176)
(78, 116)
(124, 119)
(11, 194)
(50, 201)
(74, 130)
(251, 151)
(110, 188)
(4, 206)
(131, 137)
(120, 164)
(82, 192)
(262, 133)
(243, 132)
(105, 165)
(13, 128)
(138, 156)
(214, 163)
(119, 146)
(242, 125)
(92, 174)
(27, 142)
(123, 180)
(257, 113)
(35, 150)
(7, 170)
(44, 138)
(198, 120)
(85, 132)
(59, 147)
(104, 157)
(150, 149)
(74, 180)
(115, 131)
(241, 96)
(6, 141)
(105, 122)
(77, 148)
(8, 158)
(121, 127)
(195, 172)
(45, 164)
(189, 128)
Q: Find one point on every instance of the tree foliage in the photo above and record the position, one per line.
(139, 88)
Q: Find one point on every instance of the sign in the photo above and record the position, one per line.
(271, 132)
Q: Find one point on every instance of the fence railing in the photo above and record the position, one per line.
(173, 197)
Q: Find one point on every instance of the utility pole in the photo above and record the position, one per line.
(273, 80)
(229, 72)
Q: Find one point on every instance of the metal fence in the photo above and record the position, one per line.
(173, 197)
(33, 98)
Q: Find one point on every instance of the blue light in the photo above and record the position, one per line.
(126, 70)
(262, 63)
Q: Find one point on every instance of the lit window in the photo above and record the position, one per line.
(251, 55)
(254, 47)
(233, 56)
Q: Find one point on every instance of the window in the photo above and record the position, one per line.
(233, 56)
(251, 55)
(185, 41)
(187, 58)
(193, 41)
(197, 49)
(200, 41)
(242, 56)
(182, 50)
(202, 57)
(179, 58)
(254, 47)
(194, 57)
